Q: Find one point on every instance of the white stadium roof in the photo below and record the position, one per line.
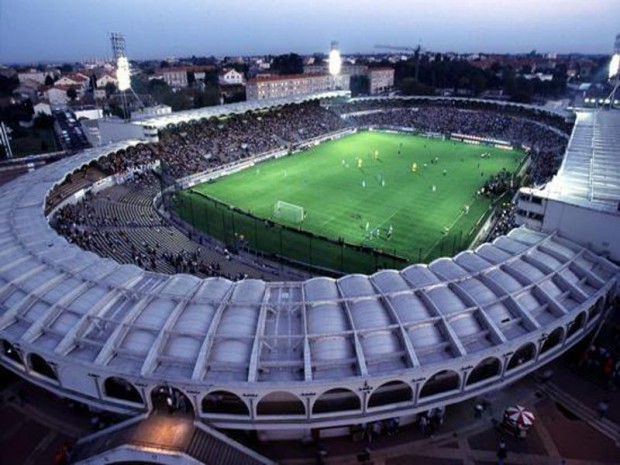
(178, 117)
(590, 173)
(63, 302)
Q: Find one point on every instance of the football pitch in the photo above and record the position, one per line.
(407, 196)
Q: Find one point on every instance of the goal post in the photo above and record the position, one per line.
(288, 212)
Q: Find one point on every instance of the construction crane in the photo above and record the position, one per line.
(416, 51)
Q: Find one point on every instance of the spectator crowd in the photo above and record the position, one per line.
(121, 221)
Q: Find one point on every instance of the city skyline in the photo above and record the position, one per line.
(155, 30)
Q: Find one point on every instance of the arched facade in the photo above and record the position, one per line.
(337, 400)
(441, 383)
(120, 388)
(280, 403)
(486, 369)
(553, 340)
(224, 403)
(524, 354)
(576, 325)
(170, 399)
(39, 365)
(9, 351)
(392, 392)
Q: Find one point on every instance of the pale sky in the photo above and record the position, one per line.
(67, 30)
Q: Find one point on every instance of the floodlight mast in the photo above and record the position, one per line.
(123, 73)
(335, 61)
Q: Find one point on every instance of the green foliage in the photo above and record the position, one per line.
(72, 93)
(410, 86)
(8, 85)
(360, 85)
(43, 121)
(110, 89)
(290, 63)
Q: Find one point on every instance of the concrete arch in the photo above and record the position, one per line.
(119, 388)
(553, 340)
(577, 324)
(486, 369)
(9, 351)
(440, 383)
(522, 355)
(597, 308)
(336, 400)
(165, 398)
(39, 365)
(392, 392)
(280, 403)
(224, 402)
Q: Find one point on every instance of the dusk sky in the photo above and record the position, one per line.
(63, 30)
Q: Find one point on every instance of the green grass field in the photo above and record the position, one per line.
(357, 203)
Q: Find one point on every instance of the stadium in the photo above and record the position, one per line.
(98, 307)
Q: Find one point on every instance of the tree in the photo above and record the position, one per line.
(360, 85)
(409, 86)
(43, 121)
(8, 85)
(72, 93)
(288, 64)
(110, 88)
(49, 80)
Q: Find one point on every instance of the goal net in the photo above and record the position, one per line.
(288, 212)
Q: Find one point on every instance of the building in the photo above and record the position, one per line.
(584, 192)
(183, 76)
(106, 79)
(57, 95)
(231, 77)
(77, 80)
(269, 87)
(42, 107)
(32, 75)
(347, 68)
(380, 80)
(174, 77)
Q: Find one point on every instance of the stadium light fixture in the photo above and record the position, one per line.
(123, 75)
(614, 66)
(335, 61)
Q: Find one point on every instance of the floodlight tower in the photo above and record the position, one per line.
(335, 61)
(614, 71)
(123, 73)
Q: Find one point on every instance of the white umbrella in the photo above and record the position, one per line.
(520, 416)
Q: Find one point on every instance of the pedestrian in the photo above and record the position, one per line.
(478, 410)
(170, 404)
(502, 453)
(423, 424)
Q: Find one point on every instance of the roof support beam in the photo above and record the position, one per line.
(203, 354)
(456, 343)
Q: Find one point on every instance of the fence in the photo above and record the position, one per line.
(241, 230)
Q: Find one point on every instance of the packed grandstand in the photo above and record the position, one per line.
(96, 223)
(286, 351)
